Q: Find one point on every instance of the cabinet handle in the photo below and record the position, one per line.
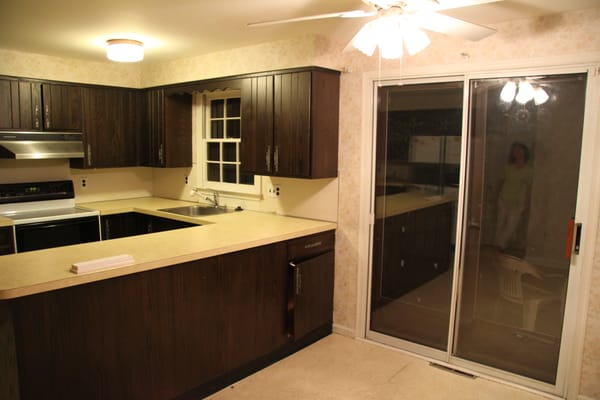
(47, 116)
(276, 158)
(106, 229)
(268, 158)
(297, 279)
(292, 292)
(161, 154)
(89, 155)
(37, 116)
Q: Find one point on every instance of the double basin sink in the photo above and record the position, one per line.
(197, 210)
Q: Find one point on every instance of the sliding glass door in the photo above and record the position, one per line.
(477, 273)
(418, 157)
(522, 193)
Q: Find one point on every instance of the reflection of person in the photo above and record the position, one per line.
(514, 193)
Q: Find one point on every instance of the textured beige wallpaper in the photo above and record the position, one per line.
(63, 69)
(575, 33)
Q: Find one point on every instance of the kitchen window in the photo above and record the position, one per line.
(219, 148)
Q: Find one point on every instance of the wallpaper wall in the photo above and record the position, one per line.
(524, 41)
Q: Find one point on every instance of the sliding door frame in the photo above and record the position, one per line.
(588, 212)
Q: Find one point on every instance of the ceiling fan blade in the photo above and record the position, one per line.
(343, 14)
(439, 5)
(451, 26)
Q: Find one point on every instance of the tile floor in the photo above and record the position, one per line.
(338, 367)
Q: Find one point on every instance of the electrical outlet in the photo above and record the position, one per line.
(83, 182)
(187, 180)
(274, 191)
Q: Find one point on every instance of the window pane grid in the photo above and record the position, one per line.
(223, 142)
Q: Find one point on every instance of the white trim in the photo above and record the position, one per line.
(200, 128)
(588, 204)
(587, 210)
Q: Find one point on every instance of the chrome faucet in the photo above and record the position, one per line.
(215, 199)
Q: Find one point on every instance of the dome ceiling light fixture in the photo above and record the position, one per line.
(396, 24)
(124, 50)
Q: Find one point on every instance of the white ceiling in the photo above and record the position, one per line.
(174, 29)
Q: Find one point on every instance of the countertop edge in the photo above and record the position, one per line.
(57, 262)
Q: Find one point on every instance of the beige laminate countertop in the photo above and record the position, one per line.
(49, 269)
(390, 205)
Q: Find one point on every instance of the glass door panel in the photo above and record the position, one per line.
(524, 154)
(417, 171)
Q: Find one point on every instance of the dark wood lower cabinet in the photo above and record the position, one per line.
(133, 223)
(181, 331)
(409, 250)
(7, 245)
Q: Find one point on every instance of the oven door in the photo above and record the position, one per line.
(64, 232)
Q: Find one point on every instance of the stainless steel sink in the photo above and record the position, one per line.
(197, 211)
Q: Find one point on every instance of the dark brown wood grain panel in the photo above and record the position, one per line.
(325, 100)
(257, 125)
(62, 107)
(169, 332)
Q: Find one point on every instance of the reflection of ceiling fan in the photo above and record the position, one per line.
(399, 22)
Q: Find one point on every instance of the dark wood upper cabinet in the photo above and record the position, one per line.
(290, 124)
(112, 127)
(20, 104)
(257, 125)
(31, 105)
(168, 135)
(62, 107)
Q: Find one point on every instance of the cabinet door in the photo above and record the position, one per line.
(253, 290)
(7, 244)
(20, 104)
(121, 225)
(432, 240)
(291, 146)
(111, 133)
(398, 262)
(153, 145)
(62, 107)
(313, 294)
(169, 130)
(256, 152)
(178, 130)
(306, 114)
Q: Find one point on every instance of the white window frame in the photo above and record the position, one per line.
(203, 125)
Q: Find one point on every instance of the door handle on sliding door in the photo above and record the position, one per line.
(573, 238)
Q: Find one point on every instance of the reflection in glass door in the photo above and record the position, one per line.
(418, 157)
(525, 146)
(520, 192)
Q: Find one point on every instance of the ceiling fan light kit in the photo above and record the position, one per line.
(124, 50)
(399, 24)
(389, 34)
(523, 92)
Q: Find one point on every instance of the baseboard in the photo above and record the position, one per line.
(582, 397)
(344, 330)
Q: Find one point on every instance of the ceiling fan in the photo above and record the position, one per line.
(398, 23)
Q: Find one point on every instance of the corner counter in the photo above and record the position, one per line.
(49, 269)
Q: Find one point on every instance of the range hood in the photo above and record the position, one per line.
(40, 145)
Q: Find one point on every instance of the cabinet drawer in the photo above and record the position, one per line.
(312, 245)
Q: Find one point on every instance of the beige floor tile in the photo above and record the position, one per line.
(338, 368)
